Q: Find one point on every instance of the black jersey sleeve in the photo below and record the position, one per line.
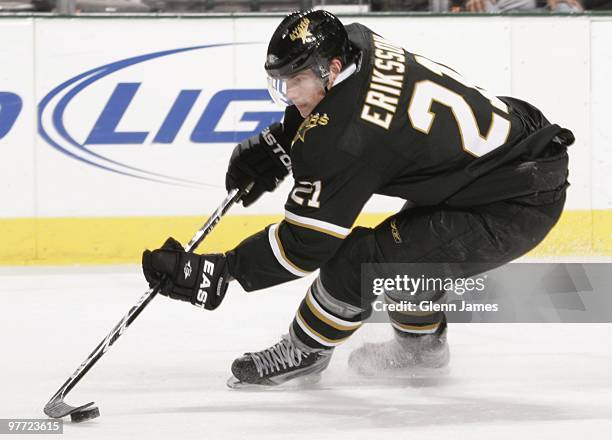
(331, 185)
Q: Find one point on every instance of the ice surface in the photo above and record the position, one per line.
(165, 377)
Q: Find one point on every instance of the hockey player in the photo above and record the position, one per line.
(485, 178)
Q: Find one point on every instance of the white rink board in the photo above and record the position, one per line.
(17, 157)
(566, 77)
(600, 111)
(161, 80)
(556, 79)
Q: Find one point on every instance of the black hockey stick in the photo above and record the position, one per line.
(56, 407)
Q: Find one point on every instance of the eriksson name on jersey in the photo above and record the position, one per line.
(386, 83)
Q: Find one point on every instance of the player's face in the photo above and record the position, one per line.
(305, 89)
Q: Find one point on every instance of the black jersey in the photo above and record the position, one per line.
(399, 125)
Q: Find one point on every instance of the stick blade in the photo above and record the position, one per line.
(85, 414)
(58, 408)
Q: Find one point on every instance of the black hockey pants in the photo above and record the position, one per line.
(480, 237)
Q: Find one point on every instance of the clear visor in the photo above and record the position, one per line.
(286, 91)
(277, 88)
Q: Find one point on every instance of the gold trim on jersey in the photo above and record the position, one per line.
(317, 225)
(279, 252)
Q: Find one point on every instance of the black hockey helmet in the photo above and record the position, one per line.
(307, 39)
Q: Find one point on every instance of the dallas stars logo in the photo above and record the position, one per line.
(310, 122)
(301, 31)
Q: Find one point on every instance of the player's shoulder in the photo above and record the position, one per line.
(359, 34)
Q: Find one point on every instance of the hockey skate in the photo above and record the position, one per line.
(278, 364)
(403, 356)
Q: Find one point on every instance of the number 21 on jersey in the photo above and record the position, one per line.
(473, 142)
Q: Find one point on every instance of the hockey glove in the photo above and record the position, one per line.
(262, 159)
(199, 279)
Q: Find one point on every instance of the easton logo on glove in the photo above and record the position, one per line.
(277, 149)
(207, 268)
(263, 160)
(187, 276)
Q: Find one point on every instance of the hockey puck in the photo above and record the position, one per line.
(85, 414)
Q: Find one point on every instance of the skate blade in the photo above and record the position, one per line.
(297, 383)
(236, 384)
